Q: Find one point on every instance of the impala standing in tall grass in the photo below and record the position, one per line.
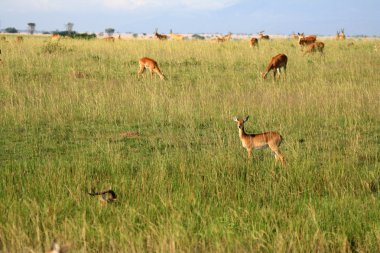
(262, 36)
(176, 36)
(160, 36)
(55, 37)
(253, 42)
(260, 141)
(276, 63)
(148, 63)
(303, 41)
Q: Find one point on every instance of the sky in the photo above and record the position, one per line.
(323, 17)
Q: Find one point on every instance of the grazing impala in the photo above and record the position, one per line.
(253, 42)
(260, 141)
(109, 38)
(276, 63)
(317, 46)
(148, 63)
(225, 38)
(160, 36)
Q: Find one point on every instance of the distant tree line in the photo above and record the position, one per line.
(75, 35)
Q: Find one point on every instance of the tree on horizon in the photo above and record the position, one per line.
(69, 27)
(32, 27)
(109, 31)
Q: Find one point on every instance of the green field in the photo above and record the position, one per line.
(184, 183)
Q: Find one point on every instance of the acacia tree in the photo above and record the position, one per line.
(109, 31)
(32, 27)
(69, 27)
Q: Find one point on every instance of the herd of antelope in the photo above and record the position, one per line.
(277, 64)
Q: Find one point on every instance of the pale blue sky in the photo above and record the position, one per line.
(196, 16)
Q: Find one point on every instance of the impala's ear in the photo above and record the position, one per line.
(235, 119)
(246, 118)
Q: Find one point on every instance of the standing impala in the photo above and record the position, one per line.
(160, 36)
(260, 141)
(148, 63)
(276, 63)
(303, 41)
(253, 42)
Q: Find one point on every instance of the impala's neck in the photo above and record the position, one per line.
(242, 132)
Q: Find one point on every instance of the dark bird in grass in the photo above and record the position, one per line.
(104, 196)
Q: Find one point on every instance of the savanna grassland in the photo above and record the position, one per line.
(181, 175)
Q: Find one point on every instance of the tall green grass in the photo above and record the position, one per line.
(184, 184)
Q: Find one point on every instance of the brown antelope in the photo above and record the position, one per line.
(109, 38)
(337, 36)
(105, 196)
(260, 141)
(342, 36)
(276, 63)
(302, 40)
(262, 36)
(253, 42)
(317, 46)
(176, 36)
(55, 37)
(19, 39)
(295, 36)
(160, 36)
(148, 63)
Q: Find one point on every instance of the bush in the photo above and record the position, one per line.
(198, 37)
(10, 30)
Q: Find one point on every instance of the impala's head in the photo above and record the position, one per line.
(240, 122)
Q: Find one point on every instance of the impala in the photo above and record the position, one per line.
(176, 36)
(109, 38)
(253, 42)
(55, 37)
(260, 141)
(148, 63)
(276, 63)
(302, 40)
(342, 36)
(19, 39)
(262, 36)
(160, 36)
(317, 46)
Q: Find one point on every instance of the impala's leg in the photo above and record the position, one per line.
(249, 151)
(158, 72)
(151, 73)
(285, 70)
(274, 74)
(278, 154)
(279, 72)
(142, 69)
